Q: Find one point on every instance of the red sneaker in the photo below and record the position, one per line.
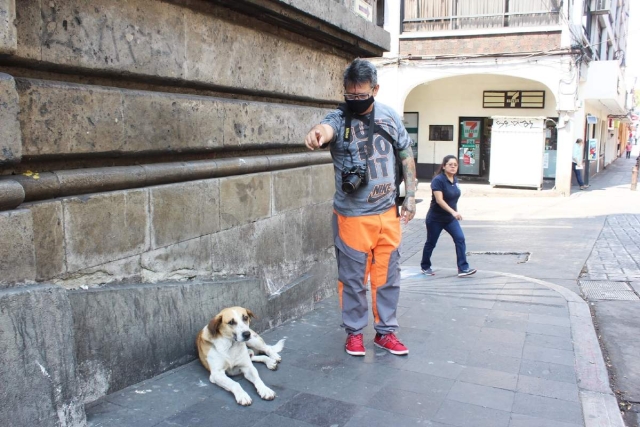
(354, 345)
(390, 343)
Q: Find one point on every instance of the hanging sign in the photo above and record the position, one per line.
(593, 149)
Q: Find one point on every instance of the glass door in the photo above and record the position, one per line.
(469, 140)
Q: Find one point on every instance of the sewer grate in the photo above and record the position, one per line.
(595, 290)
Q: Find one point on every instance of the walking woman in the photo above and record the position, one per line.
(443, 215)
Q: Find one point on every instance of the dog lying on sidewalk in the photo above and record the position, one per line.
(228, 346)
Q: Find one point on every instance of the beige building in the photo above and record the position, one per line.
(464, 64)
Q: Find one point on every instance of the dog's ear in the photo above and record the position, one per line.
(214, 325)
(250, 314)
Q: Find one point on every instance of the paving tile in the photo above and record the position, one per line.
(106, 414)
(511, 315)
(166, 395)
(491, 360)
(489, 377)
(317, 410)
(369, 417)
(547, 388)
(480, 395)
(344, 389)
(518, 420)
(421, 383)
(283, 395)
(502, 349)
(212, 413)
(550, 320)
(551, 355)
(556, 331)
(445, 369)
(549, 371)
(548, 408)
(274, 420)
(467, 415)
(507, 324)
(560, 343)
(414, 405)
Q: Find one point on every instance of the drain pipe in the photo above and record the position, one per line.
(16, 189)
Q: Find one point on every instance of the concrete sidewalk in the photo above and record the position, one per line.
(490, 350)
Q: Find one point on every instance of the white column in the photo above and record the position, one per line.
(566, 138)
(392, 25)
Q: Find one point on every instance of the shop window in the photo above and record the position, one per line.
(441, 133)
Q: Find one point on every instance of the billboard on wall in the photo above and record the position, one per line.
(593, 149)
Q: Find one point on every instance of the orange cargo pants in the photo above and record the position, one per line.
(367, 248)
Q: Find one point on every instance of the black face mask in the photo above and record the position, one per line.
(359, 106)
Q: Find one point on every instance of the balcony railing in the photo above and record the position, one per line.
(442, 15)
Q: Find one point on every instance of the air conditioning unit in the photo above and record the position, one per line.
(602, 7)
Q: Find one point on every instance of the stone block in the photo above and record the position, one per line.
(64, 118)
(118, 36)
(29, 25)
(291, 189)
(105, 227)
(183, 261)
(17, 256)
(126, 270)
(246, 199)
(258, 123)
(10, 134)
(323, 184)
(38, 369)
(8, 37)
(133, 332)
(184, 211)
(167, 122)
(233, 53)
(279, 250)
(48, 238)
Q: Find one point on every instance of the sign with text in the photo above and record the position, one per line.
(513, 99)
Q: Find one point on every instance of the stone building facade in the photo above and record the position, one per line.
(152, 172)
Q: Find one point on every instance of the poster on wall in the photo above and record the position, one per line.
(593, 149)
(469, 147)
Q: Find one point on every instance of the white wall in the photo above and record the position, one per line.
(443, 102)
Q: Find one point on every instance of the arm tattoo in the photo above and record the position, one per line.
(409, 171)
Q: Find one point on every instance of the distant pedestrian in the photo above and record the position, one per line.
(629, 148)
(576, 164)
(443, 215)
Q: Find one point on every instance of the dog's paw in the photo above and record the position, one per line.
(277, 357)
(243, 398)
(272, 364)
(266, 393)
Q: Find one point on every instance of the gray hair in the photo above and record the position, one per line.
(360, 71)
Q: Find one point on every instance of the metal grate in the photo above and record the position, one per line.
(597, 290)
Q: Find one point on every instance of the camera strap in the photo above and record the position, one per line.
(347, 137)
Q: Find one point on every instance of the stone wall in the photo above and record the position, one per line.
(152, 172)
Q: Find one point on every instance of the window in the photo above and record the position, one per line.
(440, 132)
(437, 15)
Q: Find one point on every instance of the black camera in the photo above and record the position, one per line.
(353, 177)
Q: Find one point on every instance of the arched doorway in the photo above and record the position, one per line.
(453, 115)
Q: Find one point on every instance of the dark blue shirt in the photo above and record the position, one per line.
(450, 193)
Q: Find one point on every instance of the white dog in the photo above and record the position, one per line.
(222, 349)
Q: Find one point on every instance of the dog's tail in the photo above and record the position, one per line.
(278, 346)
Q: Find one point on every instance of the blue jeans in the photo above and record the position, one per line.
(578, 174)
(434, 228)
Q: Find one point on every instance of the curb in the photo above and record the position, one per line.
(599, 404)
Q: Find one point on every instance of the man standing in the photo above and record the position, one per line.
(366, 222)
(577, 160)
